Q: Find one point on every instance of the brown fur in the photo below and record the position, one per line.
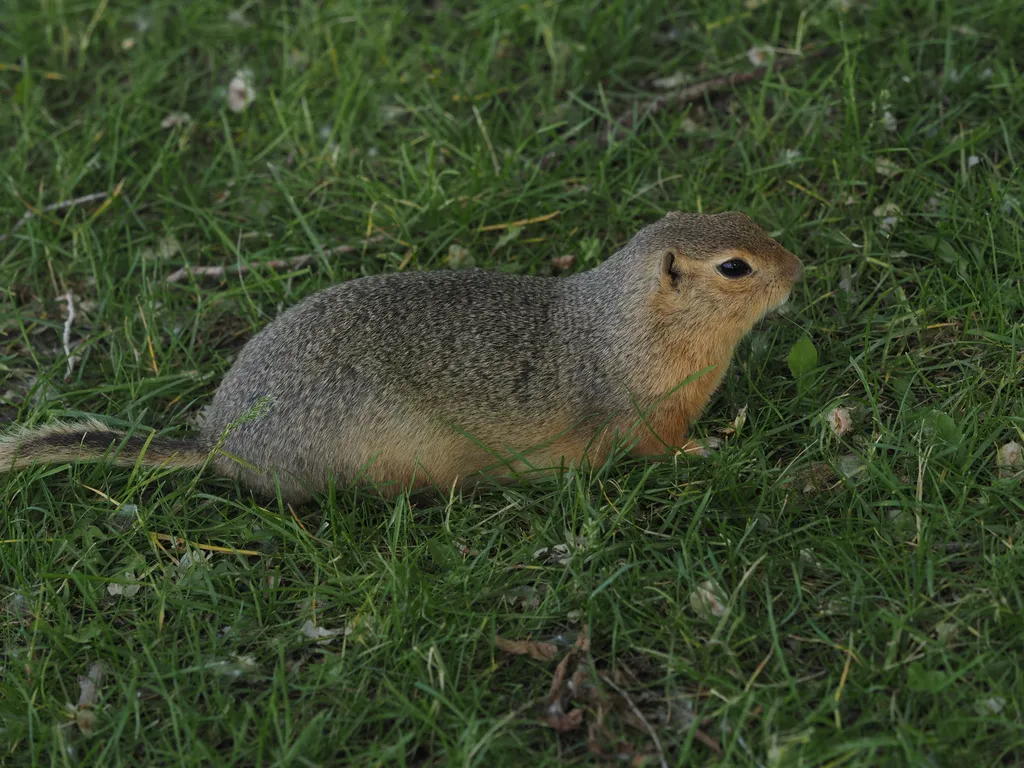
(431, 379)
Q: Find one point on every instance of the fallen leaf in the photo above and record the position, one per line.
(562, 263)
(839, 419)
(320, 634)
(708, 601)
(791, 155)
(128, 43)
(889, 122)
(532, 648)
(240, 91)
(176, 119)
(803, 357)
(1009, 460)
(816, 478)
(886, 167)
(562, 691)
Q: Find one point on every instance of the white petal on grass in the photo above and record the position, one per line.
(973, 160)
(127, 590)
(703, 447)
(889, 213)
(165, 248)
(758, 55)
(459, 257)
(889, 121)
(175, 120)
(320, 634)
(675, 80)
(240, 91)
(89, 685)
(235, 667)
(193, 558)
(850, 466)
(1009, 460)
(237, 18)
(992, 705)
(389, 113)
(740, 420)
(708, 600)
(556, 555)
(886, 167)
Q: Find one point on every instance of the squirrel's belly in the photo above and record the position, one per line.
(415, 455)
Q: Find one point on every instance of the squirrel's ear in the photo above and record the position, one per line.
(669, 271)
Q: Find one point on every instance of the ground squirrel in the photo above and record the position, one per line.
(407, 381)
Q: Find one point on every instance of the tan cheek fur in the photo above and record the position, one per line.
(705, 347)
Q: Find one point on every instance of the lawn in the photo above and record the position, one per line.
(839, 583)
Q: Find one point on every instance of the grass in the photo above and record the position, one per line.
(872, 581)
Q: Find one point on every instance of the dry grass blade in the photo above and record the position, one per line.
(698, 91)
(296, 262)
(692, 93)
(532, 648)
(640, 717)
(69, 298)
(30, 214)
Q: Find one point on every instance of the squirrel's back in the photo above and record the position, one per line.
(426, 379)
(456, 367)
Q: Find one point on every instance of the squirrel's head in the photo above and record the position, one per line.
(724, 266)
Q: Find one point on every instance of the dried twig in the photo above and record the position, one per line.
(639, 715)
(555, 715)
(296, 262)
(30, 214)
(69, 297)
(695, 92)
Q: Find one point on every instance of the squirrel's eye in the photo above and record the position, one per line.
(734, 268)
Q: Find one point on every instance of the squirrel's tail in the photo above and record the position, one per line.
(90, 440)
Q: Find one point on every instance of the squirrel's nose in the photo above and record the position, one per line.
(796, 270)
